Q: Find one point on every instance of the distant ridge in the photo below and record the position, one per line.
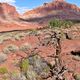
(55, 9)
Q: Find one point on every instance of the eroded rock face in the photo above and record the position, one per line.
(56, 9)
(8, 11)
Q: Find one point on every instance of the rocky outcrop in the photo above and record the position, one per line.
(8, 11)
(9, 19)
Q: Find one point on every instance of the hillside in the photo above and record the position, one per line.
(10, 21)
(55, 9)
(29, 50)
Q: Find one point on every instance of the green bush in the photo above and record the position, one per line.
(24, 65)
(67, 24)
(57, 23)
(3, 70)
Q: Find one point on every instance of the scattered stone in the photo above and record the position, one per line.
(3, 57)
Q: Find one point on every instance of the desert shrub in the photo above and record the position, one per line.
(28, 71)
(67, 24)
(25, 47)
(24, 64)
(3, 57)
(17, 76)
(77, 77)
(1, 40)
(3, 70)
(10, 48)
(14, 73)
(5, 78)
(33, 31)
(56, 23)
(19, 36)
(16, 63)
(4, 37)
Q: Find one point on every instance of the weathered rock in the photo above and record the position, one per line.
(3, 57)
(74, 34)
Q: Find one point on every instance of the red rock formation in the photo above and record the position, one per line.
(8, 11)
(58, 8)
(9, 19)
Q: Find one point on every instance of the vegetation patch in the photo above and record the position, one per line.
(3, 70)
(24, 64)
(57, 23)
(10, 48)
(25, 47)
(77, 77)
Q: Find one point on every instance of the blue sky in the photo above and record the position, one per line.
(34, 3)
(31, 3)
(24, 5)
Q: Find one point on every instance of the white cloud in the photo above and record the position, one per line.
(20, 9)
(8, 1)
